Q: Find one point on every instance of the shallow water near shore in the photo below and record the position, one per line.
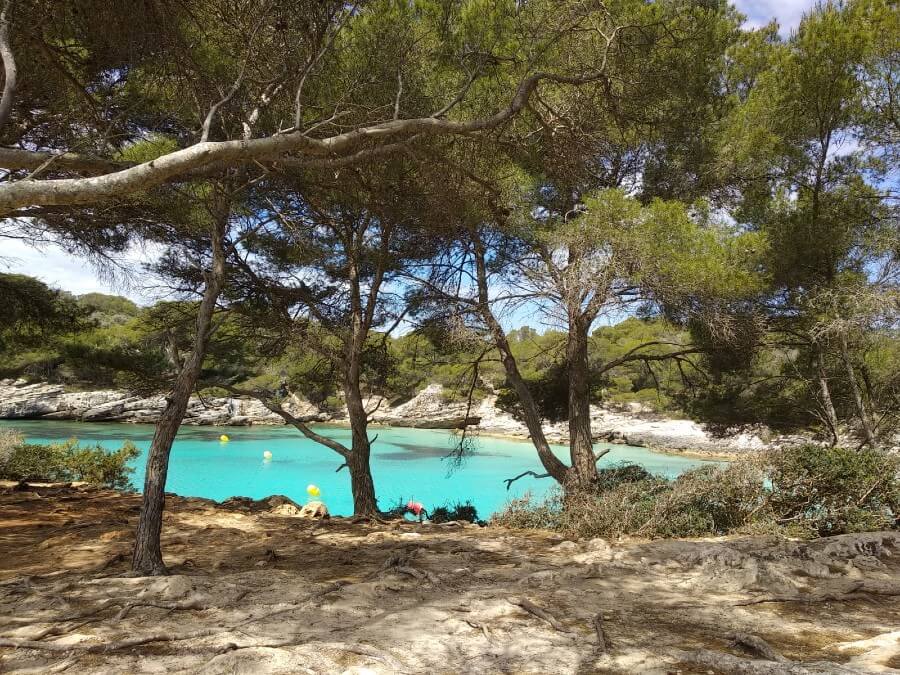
(406, 463)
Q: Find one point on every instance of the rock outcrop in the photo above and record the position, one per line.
(429, 409)
(21, 400)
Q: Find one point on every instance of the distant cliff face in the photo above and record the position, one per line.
(19, 400)
(429, 409)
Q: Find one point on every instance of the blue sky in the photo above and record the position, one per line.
(787, 12)
(58, 269)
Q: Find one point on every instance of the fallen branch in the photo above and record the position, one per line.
(532, 608)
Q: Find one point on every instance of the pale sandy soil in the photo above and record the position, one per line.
(255, 592)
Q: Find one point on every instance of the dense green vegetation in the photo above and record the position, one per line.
(108, 341)
(802, 491)
(65, 462)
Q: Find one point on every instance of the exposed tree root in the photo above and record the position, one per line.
(734, 665)
(480, 626)
(532, 608)
(356, 520)
(858, 591)
(602, 641)
(417, 573)
(161, 637)
(756, 646)
(370, 652)
(127, 606)
(184, 605)
(330, 588)
(104, 647)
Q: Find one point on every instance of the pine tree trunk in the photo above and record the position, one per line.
(865, 422)
(359, 459)
(581, 448)
(824, 391)
(530, 413)
(147, 558)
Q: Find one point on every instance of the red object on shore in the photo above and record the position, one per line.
(415, 507)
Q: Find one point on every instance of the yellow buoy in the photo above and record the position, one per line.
(267, 455)
(223, 438)
(312, 490)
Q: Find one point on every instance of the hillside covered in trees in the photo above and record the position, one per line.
(103, 341)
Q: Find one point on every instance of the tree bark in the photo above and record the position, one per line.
(147, 558)
(581, 448)
(531, 416)
(358, 460)
(827, 404)
(865, 422)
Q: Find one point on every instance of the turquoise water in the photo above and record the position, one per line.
(406, 463)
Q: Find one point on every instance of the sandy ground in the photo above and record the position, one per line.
(252, 591)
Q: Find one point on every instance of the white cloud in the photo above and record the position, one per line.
(787, 12)
(55, 267)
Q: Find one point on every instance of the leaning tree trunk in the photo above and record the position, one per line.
(865, 422)
(554, 467)
(147, 558)
(824, 391)
(581, 447)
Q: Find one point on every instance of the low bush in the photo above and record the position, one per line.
(66, 462)
(528, 513)
(805, 491)
(441, 514)
(458, 511)
(825, 491)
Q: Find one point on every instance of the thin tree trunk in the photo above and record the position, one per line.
(868, 431)
(147, 558)
(581, 449)
(551, 463)
(824, 391)
(358, 461)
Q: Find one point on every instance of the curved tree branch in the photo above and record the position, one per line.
(295, 422)
(70, 191)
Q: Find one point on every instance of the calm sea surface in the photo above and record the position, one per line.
(406, 463)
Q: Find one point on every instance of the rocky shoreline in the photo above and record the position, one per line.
(429, 409)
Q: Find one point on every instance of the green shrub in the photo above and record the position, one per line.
(825, 491)
(458, 511)
(101, 467)
(10, 439)
(618, 474)
(66, 462)
(808, 490)
(527, 513)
